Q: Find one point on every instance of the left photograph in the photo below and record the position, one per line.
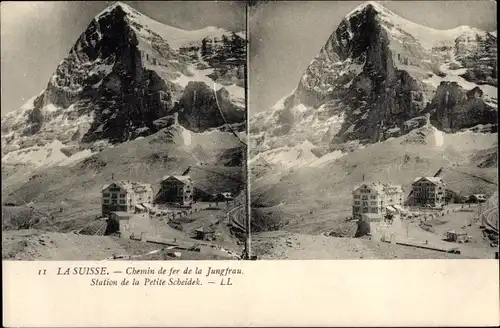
(124, 130)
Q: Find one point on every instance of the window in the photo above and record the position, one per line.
(106, 201)
(373, 210)
(122, 201)
(356, 209)
(373, 197)
(105, 195)
(122, 195)
(356, 202)
(364, 197)
(373, 203)
(356, 196)
(365, 209)
(113, 196)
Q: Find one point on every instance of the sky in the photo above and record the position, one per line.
(285, 36)
(36, 36)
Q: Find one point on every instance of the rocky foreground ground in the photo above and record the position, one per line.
(289, 246)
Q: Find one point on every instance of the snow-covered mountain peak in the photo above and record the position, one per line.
(126, 8)
(366, 5)
(149, 28)
(395, 25)
(128, 76)
(380, 76)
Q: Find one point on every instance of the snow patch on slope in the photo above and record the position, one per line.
(438, 137)
(236, 93)
(186, 136)
(292, 157)
(287, 157)
(489, 91)
(19, 115)
(44, 156)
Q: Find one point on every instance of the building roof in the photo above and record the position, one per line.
(391, 208)
(129, 186)
(434, 180)
(181, 178)
(377, 186)
(398, 207)
(397, 188)
(205, 230)
(380, 187)
(148, 206)
(371, 215)
(122, 214)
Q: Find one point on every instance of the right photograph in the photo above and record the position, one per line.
(373, 130)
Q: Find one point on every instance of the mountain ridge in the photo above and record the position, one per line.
(122, 80)
(368, 72)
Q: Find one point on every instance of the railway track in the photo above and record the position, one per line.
(486, 220)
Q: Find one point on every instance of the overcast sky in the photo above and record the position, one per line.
(36, 36)
(285, 36)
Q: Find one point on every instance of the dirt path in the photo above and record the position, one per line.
(288, 246)
(39, 245)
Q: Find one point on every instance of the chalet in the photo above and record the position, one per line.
(227, 195)
(429, 191)
(176, 189)
(224, 196)
(377, 198)
(125, 196)
(477, 198)
(205, 234)
(460, 237)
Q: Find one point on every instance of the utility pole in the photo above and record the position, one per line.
(247, 209)
(246, 149)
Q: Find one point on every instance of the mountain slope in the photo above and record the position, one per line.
(377, 76)
(133, 100)
(125, 77)
(385, 99)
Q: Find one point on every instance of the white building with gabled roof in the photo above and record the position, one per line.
(126, 196)
(377, 198)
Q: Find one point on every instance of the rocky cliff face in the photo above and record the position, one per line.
(379, 76)
(453, 108)
(200, 108)
(126, 77)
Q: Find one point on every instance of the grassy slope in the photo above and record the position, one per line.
(77, 189)
(292, 196)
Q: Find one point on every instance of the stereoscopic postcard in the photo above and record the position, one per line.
(235, 163)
